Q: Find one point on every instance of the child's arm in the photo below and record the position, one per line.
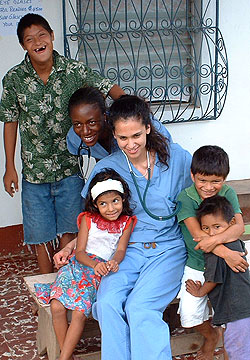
(113, 264)
(10, 178)
(232, 233)
(234, 259)
(196, 289)
(81, 256)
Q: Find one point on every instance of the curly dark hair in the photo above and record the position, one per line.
(216, 205)
(128, 106)
(106, 174)
(87, 95)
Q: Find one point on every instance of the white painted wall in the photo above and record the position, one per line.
(11, 54)
(230, 131)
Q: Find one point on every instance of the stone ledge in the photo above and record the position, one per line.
(242, 187)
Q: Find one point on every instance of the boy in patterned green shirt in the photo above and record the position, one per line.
(35, 96)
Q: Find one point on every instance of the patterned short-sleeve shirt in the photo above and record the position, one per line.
(42, 113)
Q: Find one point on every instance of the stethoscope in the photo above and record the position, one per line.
(82, 146)
(143, 199)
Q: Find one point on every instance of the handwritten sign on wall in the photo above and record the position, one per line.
(11, 12)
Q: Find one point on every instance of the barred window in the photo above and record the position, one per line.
(170, 52)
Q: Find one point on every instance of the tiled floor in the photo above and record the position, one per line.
(17, 323)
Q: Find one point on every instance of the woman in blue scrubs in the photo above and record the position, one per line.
(131, 302)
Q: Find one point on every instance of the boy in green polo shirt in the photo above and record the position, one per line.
(209, 169)
(35, 96)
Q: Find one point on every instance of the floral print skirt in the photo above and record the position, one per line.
(75, 286)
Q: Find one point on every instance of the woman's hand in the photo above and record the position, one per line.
(101, 269)
(112, 265)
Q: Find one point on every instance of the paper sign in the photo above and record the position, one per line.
(11, 11)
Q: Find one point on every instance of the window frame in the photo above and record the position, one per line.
(207, 89)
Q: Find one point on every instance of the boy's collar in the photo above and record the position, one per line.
(193, 194)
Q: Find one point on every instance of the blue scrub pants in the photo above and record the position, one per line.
(130, 302)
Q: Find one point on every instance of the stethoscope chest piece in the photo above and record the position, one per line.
(83, 171)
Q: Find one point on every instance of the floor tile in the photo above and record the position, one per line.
(25, 350)
(16, 302)
(88, 345)
(5, 352)
(8, 268)
(26, 266)
(18, 327)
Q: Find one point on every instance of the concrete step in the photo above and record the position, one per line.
(242, 188)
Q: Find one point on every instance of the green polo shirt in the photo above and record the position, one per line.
(42, 113)
(191, 200)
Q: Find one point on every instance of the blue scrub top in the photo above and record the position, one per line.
(97, 151)
(165, 186)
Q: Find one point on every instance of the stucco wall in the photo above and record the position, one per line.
(10, 55)
(230, 131)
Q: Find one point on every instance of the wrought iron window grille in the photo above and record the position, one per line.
(170, 52)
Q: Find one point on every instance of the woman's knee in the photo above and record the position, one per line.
(138, 309)
(108, 306)
(109, 295)
(134, 309)
(106, 301)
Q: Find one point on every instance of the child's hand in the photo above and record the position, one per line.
(205, 243)
(235, 261)
(112, 265)
(101, 269)
(10, 181)
(193, 287)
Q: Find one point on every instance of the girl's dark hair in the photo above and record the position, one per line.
(87, 95)
(106, 174)
(27, 21)
(132, 106)
(216, 205)
(210, 160)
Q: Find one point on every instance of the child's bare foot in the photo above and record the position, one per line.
(206, 352)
